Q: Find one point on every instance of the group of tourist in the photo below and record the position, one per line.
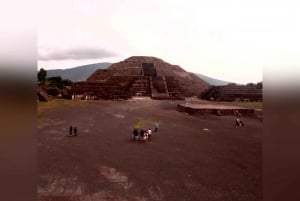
(143, 135)
(73, 131)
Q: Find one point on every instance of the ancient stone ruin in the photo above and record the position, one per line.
(233, 93)
(140, 76)
(209, 109)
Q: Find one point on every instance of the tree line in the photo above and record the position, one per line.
(53, 85)
(258, 85)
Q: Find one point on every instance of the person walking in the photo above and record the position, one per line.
(75, 131)
(71, 130)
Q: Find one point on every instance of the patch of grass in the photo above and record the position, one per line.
(143, 123)
(60, 102)
(57, 103)
(254, 104)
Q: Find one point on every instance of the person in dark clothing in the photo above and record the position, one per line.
(135, 134)
(142, 133)
(75, 131)
(71, 130)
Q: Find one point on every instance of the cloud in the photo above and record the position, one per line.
(76, 53)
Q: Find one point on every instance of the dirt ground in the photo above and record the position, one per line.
(189, 159)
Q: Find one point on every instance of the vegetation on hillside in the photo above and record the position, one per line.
(54, 86)
(259, 85)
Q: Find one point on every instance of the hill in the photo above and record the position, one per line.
(79, 73)
(212, 81)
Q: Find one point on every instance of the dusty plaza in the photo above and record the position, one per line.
(190, 158)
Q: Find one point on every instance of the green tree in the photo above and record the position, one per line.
(259, 85)
(42, 74)
(67, 82)
(55, 82)
(250, 84)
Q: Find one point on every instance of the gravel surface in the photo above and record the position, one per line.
(189, 158)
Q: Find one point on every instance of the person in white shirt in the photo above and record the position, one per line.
(149, 131)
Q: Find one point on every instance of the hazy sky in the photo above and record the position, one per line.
(228, 40)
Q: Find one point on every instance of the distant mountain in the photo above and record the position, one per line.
(212, 81)
(79, 73)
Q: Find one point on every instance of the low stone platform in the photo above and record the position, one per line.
(210, 109)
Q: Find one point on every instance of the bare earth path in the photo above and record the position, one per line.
(190, 158)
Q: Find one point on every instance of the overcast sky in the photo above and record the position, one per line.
(227, 40)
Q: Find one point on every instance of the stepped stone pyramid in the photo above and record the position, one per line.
(141, 76)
